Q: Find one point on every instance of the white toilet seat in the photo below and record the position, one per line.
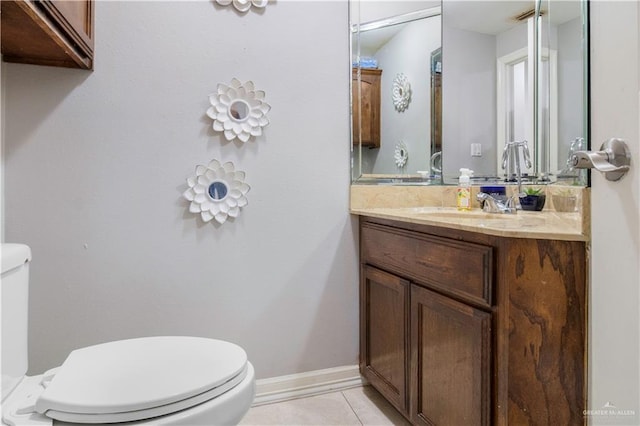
(129, 416)
(226, 409)
(138, 379)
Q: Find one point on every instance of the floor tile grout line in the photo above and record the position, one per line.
(350, 406)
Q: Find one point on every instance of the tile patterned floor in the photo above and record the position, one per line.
(358, 406)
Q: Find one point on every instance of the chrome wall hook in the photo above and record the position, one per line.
(613, 159)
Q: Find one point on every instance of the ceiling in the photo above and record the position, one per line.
(486, 17)
(495, 17)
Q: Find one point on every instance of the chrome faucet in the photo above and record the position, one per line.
(511, 164)
(511, 160)
(435, 162)
(494, 205)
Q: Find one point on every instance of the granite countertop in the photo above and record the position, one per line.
(548, 225)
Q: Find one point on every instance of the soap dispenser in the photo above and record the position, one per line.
(463, 194)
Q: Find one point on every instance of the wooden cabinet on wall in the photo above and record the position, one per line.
(366, 113)
(52, 32)
(470, 329)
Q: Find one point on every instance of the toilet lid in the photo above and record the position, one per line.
(140, 378)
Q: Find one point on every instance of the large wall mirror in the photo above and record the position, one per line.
(437, 86)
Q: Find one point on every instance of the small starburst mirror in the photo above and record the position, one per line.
(238, 110)
(217, 191)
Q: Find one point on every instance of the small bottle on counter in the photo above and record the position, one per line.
(463, 194)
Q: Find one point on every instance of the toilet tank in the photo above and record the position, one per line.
(15, 312)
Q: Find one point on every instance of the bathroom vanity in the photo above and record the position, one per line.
(471, 318)
(474, 320)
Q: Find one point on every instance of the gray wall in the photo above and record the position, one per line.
(95, 166)
(570, 88)
(408, 52)
(468, 100)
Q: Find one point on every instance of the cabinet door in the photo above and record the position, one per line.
(450, 361)
(366, 113)
(384, 303)
(76, 17)
(54, 32)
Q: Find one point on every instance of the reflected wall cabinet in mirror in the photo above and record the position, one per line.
(366, 112)
(482, 74)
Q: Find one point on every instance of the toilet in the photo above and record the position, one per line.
(162, 380)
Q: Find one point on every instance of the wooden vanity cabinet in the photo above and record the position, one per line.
(48, 32)
(460, 328)
(366, 113)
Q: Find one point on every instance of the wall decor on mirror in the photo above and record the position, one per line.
(494, 72)
(217, 191)
(238, 110)
(401, 92)
(401, 155)
(243, 5)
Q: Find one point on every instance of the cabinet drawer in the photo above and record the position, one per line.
(455, 267)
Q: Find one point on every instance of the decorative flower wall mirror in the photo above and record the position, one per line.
(401, 155)
(243, 5)
(238, 110)
(401, 92)
(217, 191)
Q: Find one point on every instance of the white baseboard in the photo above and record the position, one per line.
(284, 388)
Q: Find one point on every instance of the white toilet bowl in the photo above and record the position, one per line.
(147, 381)
(164, 380)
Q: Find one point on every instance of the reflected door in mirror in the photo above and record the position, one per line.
(366, 113)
